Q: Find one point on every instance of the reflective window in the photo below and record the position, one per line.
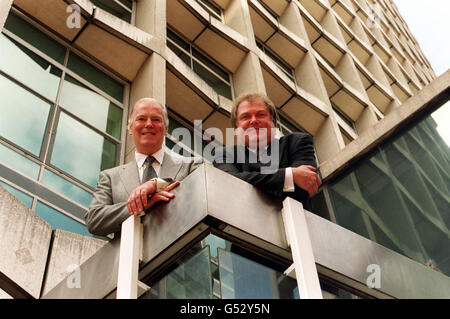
(204, 67)
(242, 278)
(344, 117)
(214, 10)
(80, 151)
(122, 9)
(286, 127)
(216, 268)
(190, 278)
(91, 107)
(399, 195)
(18, 162)
(66, 188)
(78, 136)
(36, 38)
(286, 68)
(27, 200)
(24, 116)
(58, 220)
(95, 76)
(29, 68)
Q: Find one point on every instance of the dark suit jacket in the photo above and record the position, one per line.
(295, 149)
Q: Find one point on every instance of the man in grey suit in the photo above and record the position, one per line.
(135, 187)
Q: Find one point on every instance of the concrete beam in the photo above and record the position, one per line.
(396, 119)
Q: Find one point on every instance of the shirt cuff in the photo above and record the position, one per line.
(288, 180)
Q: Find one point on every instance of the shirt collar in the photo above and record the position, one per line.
(158, 155)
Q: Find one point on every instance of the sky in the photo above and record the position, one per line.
(429, 23)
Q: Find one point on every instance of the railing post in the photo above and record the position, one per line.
(130, 253)
(298, 238)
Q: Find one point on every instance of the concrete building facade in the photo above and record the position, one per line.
(348, 72)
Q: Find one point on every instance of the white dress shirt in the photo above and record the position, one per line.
(289, 185)
(141, 164)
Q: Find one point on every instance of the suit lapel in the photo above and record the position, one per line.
(169, 167)
(130, 176)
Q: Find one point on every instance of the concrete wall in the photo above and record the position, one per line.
(68, 251)
(24, 245)
(28, 255)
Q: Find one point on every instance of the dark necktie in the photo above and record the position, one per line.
(149, 171)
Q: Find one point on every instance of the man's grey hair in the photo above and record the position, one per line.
(152, 101)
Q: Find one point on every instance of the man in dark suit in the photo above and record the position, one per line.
(280, 167)
(135, 187)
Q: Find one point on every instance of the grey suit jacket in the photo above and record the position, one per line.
(108, 207)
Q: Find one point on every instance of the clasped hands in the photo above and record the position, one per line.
(305, 177)
(139, 200)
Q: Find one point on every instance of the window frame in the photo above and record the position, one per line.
(192, 57)
(43, 160)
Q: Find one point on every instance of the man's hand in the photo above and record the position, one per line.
(137, 201)
(305, 177)
(163, 195)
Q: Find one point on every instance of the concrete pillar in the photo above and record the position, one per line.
(292, 20)
(328, 140)
(308, 77)
(149, 82)
(237, 17)
(347, 70)
(151, 17)
(5, 6)
(365, 120)
(248, 77)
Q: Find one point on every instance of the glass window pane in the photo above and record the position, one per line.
(27, 200)
(398, 194)
(212, 9)
(191, 279)
(242, 278)
(95, 76)
(91, 107)
(18, 162)
(215, 243)
(115, 9)
(35, 37)
(66, 188)
(28, 68)
(23, 119)
(58, 220)
(127, 3)
(80, 151)
(213, 81)
(211, 65)
(179, 41)
(180, 53)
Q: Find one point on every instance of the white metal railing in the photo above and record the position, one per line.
(303, 268)
(297, 235)
(128, 285)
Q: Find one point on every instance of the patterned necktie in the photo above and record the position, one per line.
(149, 171)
